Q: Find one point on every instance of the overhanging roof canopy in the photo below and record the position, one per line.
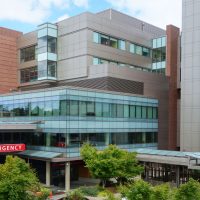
(46, 155)
(18, 126)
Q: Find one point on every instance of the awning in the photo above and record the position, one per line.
(16, 127)
(40, 155)
(19, 126)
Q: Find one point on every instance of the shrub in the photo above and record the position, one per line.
(139, 190)
(188, 191)
(76, 195)
(91, 191)
(107, 194)
(162, 192)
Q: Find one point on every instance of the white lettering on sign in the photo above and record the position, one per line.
(12, 147)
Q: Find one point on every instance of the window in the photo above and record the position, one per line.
(51, 69)
(113, 110)
(122, 64)
(41, 108)
(51, 45)
(150, 113)
(159, 55)
(113, 42)
(34, 109)
(47, 44)
(163, 41)
(55, 108)
(27, 54)
(120, 110)
(82, 108)
(126, 111)
(122, 44)
(145, 52)
(132, 112)
(95, 61)
(138, 112)
(42, 45)
(154, 43)
(28, 75)
(109, 41)
(48, 108)
(138, 50)
(98, 109)
(95, 37)
(155, 113)
(159, 42)
(74, 108)
(63, 107)
(106, 110)
(90, 109)
(102, 61)
(144, 112)
(132, 48)
(104, 39)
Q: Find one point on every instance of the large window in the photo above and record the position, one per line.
(139, 50)
(134, 138)
(109, 41)
(51, 44)
(51, 69)
(159, 55)
(78, 108)
(28, 75)
(97, 61)
(27, 54)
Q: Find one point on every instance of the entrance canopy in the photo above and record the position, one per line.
(22, 126)
(40, 155)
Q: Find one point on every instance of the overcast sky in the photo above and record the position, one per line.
(25, 15)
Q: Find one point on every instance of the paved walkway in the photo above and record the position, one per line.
(58, 197)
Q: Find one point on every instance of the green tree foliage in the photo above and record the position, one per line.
(75, 195)
(139, 190)
(18, 181)
(112, 162)
(188, 191)
(162, 192)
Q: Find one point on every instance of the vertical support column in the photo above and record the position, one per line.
(48, 139)
(146, 171)
(143, 137)
(67, 139)
(48, 173)
(177, 176)
(67, 176)
(107, 138)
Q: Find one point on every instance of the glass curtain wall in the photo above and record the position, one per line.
(78, 108)
(159, 55)
(47, 51)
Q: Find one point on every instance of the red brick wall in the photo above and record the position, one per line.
(84, 172)
(8, 59)
(171, 71)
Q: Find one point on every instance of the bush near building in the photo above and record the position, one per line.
(141, 190)
(19, 182)
(111, 162)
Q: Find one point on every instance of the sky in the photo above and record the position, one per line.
(25, 15)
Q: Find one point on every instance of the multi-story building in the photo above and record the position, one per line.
(190, 77)
(104, 78)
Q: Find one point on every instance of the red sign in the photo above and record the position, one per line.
(12, 147)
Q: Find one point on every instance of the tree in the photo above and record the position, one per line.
(188, 191)
(112, 162)
(162, 192)
(138, 190)
(18, 181)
